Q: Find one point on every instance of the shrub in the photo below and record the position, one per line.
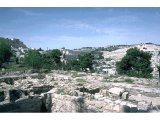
(83, 63)
(128, 80)
(56, 56)
(52, 59)
(5, 52)
(34, 59)
(86, 61)
(80, 80)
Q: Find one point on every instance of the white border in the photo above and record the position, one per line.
(79, 3)
(80, 116)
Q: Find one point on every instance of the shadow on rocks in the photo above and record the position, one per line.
(81, 106)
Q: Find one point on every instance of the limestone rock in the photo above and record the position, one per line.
(108, 101)
(125, 95)
(144, 106)
(97, 96)
(49, 78)
(116, 108)
(37, 76)
(116, 92)
(73, 93)
(118, 101)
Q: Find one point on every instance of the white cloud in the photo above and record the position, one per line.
(117, 31)
(30, 13)
(111, 24)
(102, 9)
(122, 19)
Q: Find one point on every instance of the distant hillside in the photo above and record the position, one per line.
(15, 43)
(120, 52)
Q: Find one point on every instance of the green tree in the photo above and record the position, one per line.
(34, 59)
(97, 54)
(5, 52)
(135, 63)
(56, 56)
(75, 65)
(86, 61)
(81, 63)
(72, 64)
(47, 61)
(52, 59)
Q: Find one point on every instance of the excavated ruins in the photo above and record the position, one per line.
(63, 91)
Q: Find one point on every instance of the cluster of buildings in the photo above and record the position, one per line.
(106, 66)
(19, 52)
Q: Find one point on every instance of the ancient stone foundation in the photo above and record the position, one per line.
(28, 104)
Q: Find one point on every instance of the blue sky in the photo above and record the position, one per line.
(80, 27)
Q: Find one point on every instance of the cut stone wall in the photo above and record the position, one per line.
(28, 104)
(22, 105)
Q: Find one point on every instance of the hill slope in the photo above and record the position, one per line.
(154, 49)
(15, 43)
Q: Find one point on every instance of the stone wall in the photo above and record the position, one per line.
(28, 104)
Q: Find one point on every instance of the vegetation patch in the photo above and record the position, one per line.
(14, 68)
(108, 59)
(80, 80)
(76, 74)
(61, 91)
(80, 84)
(106, 80)
(128, 80)
(110, 78)
(116, 81)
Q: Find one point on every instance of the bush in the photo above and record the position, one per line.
(53, 59)
(86, 61)
(74, 65)
(56, 56)
(128, 81)
(33, 60)
(80, 80)
(83, 63)
(5, 52)
(47, 62)
(135, 63)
